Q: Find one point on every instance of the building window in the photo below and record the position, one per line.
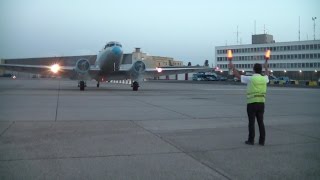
(307, 65)
(307, 56)
(299, 47)
(311, 46)
(303, 47)
(311, 56)
(281, 48)
(307, 47)
(303, 56)
(296, 56)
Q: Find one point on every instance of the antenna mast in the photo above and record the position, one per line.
(299, 28)
(237, 34)
(255, 27)
(314, 27)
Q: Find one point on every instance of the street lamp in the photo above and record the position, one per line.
(314, 27)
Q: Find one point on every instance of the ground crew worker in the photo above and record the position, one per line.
(256, 92)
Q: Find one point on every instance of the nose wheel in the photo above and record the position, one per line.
(98, 84)
(135, 86)
(82, 85)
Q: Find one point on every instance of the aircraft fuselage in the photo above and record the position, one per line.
(108, 59)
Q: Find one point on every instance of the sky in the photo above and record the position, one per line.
(185, 30)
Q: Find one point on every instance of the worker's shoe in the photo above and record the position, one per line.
(249, 143)
(261, 143)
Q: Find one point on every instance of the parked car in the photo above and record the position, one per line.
(221, 78)
(235, 79)
(272, 77)
(208, 77)
(7, 75)
(284, 80)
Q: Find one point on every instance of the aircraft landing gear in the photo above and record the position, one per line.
(82, 84)
(98, 84)
(135, 86)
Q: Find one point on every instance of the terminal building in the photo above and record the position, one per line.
(299, 60)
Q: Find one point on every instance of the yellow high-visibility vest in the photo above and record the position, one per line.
(256, 89)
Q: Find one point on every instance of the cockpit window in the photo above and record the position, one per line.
(112, 44)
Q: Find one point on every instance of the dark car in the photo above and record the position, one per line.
(7, 75)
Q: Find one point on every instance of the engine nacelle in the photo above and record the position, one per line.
(82, 66)
(138, 67)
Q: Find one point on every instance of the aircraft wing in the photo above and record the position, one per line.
(63, 71)
(163, 71)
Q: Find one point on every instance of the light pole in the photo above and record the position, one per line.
(314, 27)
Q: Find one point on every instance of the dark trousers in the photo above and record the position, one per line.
(256, 110)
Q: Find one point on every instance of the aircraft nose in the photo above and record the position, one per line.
(117, 51)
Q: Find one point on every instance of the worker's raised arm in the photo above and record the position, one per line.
(235, 71)
(266, 70)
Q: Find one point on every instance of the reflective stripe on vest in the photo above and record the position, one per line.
(256, 89)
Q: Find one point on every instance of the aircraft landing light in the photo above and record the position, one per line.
(55, 68)
(159, 70)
